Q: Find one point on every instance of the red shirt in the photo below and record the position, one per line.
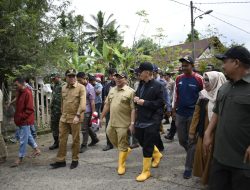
(24, 114)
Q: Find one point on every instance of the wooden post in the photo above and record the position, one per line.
(42, 105)
(37, 105)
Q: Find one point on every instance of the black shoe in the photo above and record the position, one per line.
(108, 147)
(58, 165)
(94, 142)
(54, 146)
(74, 164)
(134, 146)
(187, 174)
(83, 148)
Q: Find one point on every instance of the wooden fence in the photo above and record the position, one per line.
(41, 99)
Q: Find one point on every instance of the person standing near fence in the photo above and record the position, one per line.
(24, 118)
(56, 109)
(3, 149)
(73, 108)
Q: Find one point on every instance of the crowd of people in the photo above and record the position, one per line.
(210, 114)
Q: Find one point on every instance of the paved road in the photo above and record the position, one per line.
(97, 170)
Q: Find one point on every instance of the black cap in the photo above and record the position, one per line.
(187, 59)
(122, 74)
(70, 72)
(155, 68)
(236, 52)
(146, 66)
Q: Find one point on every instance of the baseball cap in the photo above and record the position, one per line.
(70, 72)
(146, 66)
(187, 59)
(121, 74)
(236, 52)
(155, 68)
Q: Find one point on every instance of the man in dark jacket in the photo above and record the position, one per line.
(24, 119)
(150, 102)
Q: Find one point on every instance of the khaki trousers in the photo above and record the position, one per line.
(64, 130)
(3, 149)
(118, 136)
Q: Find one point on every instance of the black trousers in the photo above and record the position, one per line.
(159, 143)
(147, 138)
(107, 122)
(228, 178)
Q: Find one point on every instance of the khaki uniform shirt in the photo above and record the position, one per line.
(121, 104)
(73, 102)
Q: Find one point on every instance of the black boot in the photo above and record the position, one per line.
(74, 164)
(93, 142)
(58, 165)
(56, 143)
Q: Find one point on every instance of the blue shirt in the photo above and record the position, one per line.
(187, 92)
(98, 98)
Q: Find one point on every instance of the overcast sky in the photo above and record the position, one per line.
(174, 18)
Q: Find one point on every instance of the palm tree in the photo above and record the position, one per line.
(102, 30)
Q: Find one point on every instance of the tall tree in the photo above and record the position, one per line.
(27, 36)
(189, 36)
(102, 30)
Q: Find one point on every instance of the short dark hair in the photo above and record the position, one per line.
(81, 75)
(20, 80)
(112, 71)
(92, 78)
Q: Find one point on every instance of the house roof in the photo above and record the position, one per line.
(200, 47)
(182, 50)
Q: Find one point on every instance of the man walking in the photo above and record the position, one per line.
(149, 101)
(87, 131)
(73, 107)
(24, 118)
(188, 85)
(231, 124)
(120, 104)
(56, 109)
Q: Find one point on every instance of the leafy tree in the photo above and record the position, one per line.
(103, 30)
(196, 36)
(28, 36)
(147, 45)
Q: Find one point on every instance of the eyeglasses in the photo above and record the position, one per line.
(206, 79)
(71, 76)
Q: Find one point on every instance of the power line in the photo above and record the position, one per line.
(243, 30)
(226, 2)
(180, 3)
(226, 22)
(242, 19)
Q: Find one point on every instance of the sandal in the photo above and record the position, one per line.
(16, 163)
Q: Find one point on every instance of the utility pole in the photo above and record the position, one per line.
(192, 29)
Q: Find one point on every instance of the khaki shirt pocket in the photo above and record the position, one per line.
(125, 100)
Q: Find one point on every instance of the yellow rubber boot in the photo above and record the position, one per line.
(156, 157)
(121, 162)
(145, 171)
